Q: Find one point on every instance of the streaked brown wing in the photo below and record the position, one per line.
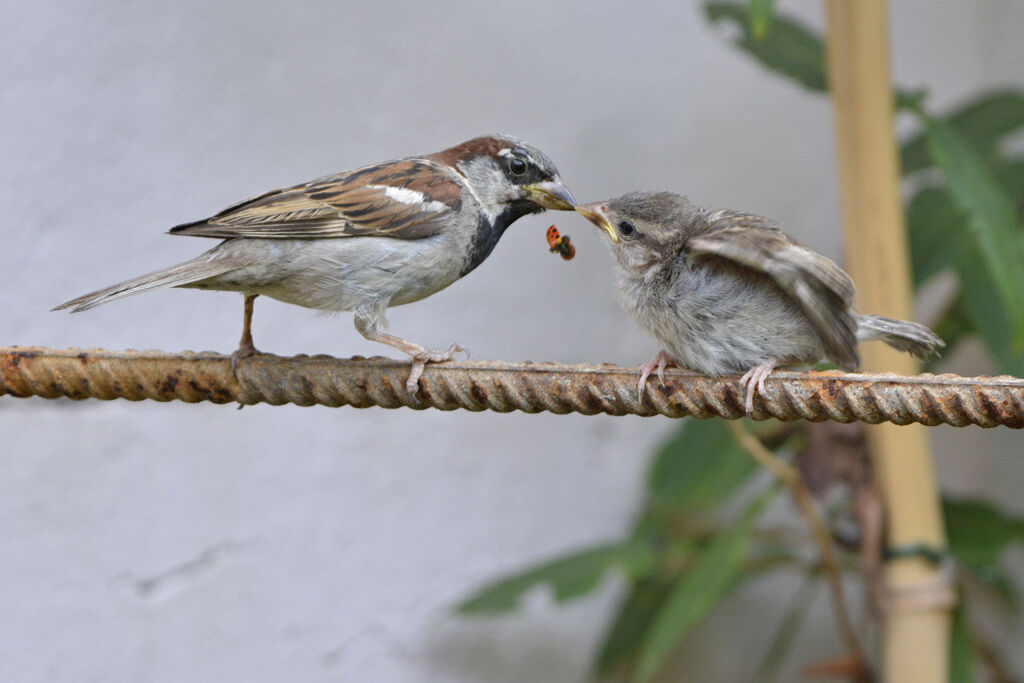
(406, 199)
(824, 292)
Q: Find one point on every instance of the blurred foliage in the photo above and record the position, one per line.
(785, 46)
(961, 660)
(717, 569)
(569, 577)
(698, 538)
(966, 189)
(990, 249)
(760, 17)
(686, 553)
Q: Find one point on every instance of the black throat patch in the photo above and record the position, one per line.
(488, 233)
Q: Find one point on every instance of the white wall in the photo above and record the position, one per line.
(197, 542)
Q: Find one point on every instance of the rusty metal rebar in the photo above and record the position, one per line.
(505, 387)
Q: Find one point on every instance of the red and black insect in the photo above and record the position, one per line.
(560, 244)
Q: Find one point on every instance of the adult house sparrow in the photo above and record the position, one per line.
(366, 239)
(727, 292)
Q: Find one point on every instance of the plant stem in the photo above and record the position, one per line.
(790, 476)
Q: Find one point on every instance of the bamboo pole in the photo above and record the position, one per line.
(916, 631)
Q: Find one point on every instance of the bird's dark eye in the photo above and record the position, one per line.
(517, 166)
(627, 229)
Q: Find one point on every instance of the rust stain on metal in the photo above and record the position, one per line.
(478, 392)
(503, 387)
(999, 408)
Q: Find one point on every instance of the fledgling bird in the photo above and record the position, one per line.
(366, 239)
(727, 292)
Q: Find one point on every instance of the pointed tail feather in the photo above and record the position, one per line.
(174, 276)
(902, 335)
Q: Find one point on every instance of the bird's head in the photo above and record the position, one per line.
(509, 176)
(644, 228)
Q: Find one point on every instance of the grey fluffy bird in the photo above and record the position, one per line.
(727, 292)
(363, 240)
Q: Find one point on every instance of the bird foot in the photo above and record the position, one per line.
(422, 357)
(661, 361)
(243, 351)
(752, 382)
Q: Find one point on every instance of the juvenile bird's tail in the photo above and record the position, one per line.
(182, 274)
(906, 336)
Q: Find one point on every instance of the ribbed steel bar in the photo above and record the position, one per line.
(504, 387)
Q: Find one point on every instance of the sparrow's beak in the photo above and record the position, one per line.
(595, 213)
(551, 194)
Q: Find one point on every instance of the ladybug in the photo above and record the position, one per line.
(560, 244)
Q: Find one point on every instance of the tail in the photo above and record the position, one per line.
(182, 274)
(902, 335)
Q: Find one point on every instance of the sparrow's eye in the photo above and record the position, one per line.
(517, 166)
(627, 229)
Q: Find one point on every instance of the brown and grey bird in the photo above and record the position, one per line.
(363, 240)
(726, 292)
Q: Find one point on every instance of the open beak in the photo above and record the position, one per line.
(595, 213)
(551, 194)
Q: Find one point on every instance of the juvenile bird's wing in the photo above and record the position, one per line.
(406, 199)
(822, 289)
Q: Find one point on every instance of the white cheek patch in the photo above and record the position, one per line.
(404, 195)
(488, 210)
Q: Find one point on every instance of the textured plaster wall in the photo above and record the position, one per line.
(196, 542)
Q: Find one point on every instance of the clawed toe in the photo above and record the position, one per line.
(457, 348)
(641, 383)
(662, 364)
(659, 363)
(438, 356)
(421, 358)
(413, 383)
(752, 382)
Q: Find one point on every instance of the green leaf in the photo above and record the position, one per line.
(569, 577)
(981, 123)
(991, 218)
(938, 243)
(785, 634)
(716, 572)
(911, 100)
(961, 655)
(1010, 174)
(933, 222)
(631, 624)
(698, 468)
(760, 18)
(786, 46)
(979, 532)
(983, 308)
(952, 327)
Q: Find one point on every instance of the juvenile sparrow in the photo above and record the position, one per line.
(727, 292)
(363, 240)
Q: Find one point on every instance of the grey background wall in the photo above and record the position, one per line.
(177, 542)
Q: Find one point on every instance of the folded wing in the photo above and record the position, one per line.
(822, 289)
(407, 199)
